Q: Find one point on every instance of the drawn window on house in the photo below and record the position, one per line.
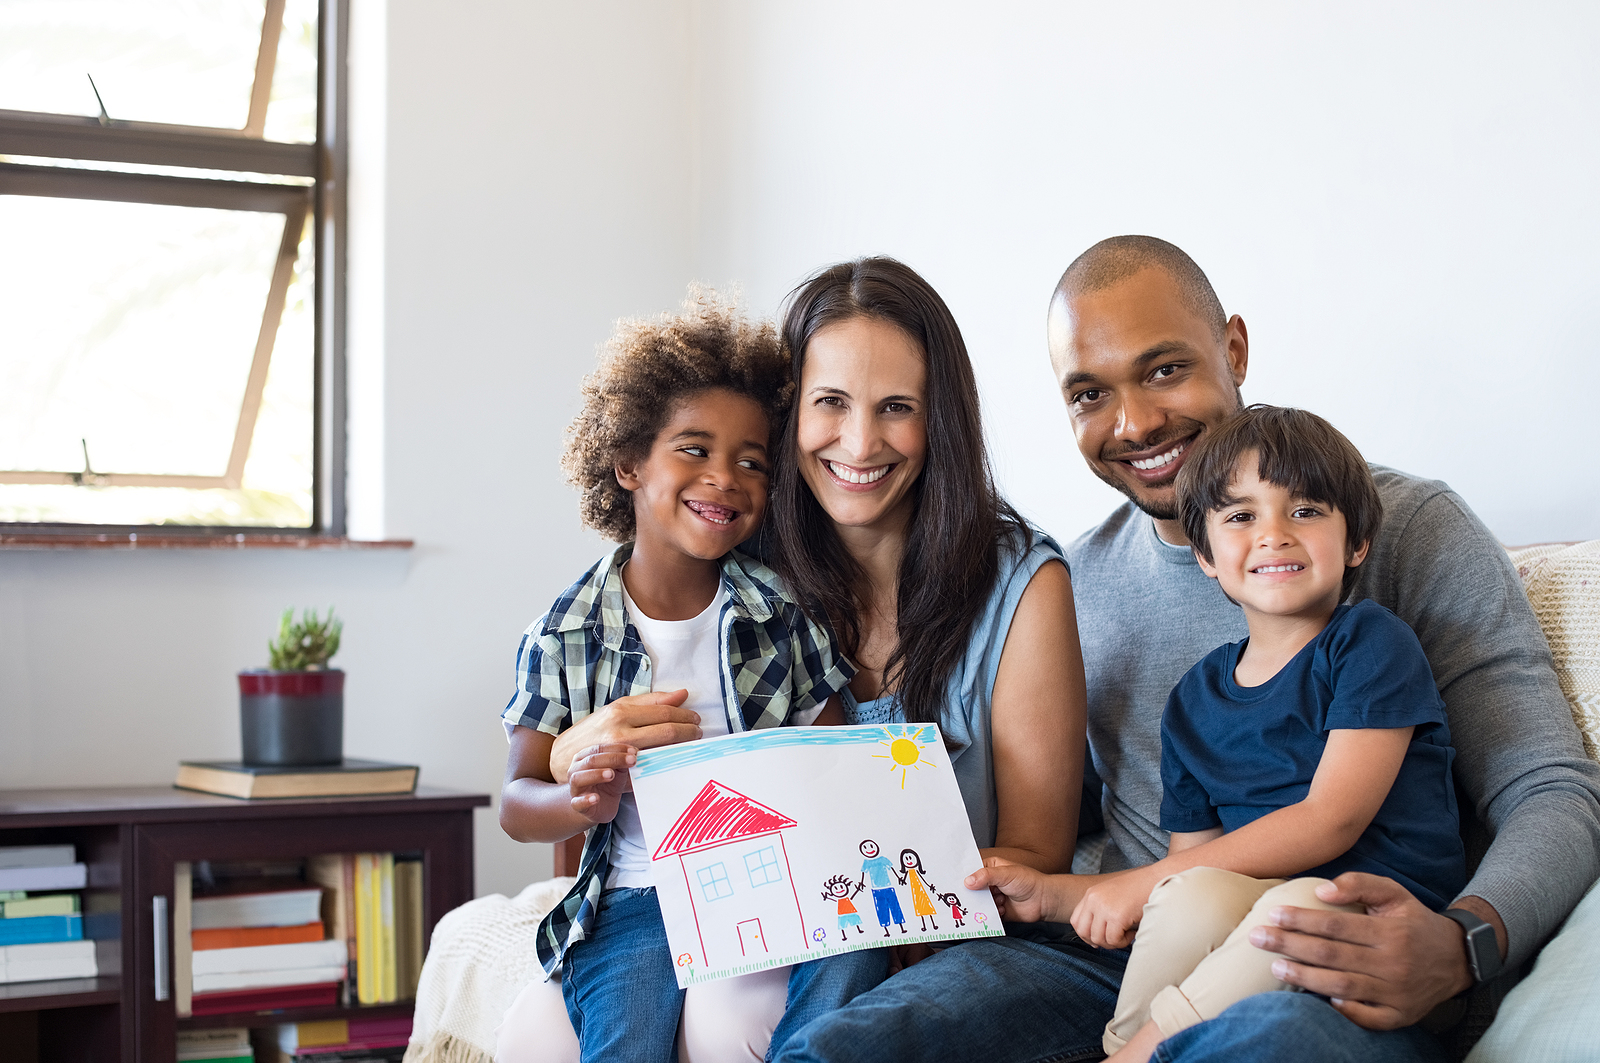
(162, 186)
(763, 867)
(714, 882)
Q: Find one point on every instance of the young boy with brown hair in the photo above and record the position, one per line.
(1316, 746)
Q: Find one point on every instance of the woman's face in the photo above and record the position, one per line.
(863, 431)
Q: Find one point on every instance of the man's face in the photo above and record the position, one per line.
(1143, 377)
(869, 848)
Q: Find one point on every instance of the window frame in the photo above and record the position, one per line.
(325, 161)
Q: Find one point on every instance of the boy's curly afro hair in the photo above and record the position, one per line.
(647, 367)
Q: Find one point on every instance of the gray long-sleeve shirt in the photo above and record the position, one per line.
(1146, 613)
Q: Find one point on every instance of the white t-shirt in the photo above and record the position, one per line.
(684, 654)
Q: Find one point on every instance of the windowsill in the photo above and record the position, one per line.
(154, 540)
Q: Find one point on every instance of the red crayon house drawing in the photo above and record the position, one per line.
(730, 849)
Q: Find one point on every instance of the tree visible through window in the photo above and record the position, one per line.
(159, 185)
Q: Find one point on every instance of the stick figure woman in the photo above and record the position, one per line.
(921, 902)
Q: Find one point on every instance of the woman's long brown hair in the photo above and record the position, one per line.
(951, 557)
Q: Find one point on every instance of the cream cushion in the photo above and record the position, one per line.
(1563, 585)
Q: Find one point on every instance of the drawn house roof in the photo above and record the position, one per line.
(719, 815)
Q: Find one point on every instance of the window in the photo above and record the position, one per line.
(714, 882)
(762, 866)
(170, 326)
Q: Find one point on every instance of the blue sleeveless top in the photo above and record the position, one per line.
(964, 719)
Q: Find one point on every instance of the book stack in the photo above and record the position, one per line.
(253, 951)
(364, 1040)
(228, 1045)
(41, 929)
(374, 902)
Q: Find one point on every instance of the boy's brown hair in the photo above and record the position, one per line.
(1296, 450)
(647, 367)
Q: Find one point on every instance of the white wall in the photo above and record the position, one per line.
(1396, 202)
(1398, 198)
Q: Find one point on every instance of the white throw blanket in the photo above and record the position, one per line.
(482, 955)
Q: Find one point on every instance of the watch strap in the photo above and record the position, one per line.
(1483, 948)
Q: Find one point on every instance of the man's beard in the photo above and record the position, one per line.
(1167, 510)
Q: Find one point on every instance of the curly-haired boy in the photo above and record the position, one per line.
(670, 452)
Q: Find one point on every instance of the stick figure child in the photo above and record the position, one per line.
(884, 899)
(958, 912)
(838, 888)
(921, 902)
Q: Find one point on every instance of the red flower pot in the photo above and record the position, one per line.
(291, 718)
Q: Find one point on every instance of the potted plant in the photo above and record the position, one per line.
(291, 713)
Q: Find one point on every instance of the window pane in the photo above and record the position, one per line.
(133, 327)
(188, 62)
(292, 114)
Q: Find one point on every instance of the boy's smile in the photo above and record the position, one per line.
(1276, 554)
(702, 489)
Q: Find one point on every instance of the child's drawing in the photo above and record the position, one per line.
(838, 888)
(737, 822)
(877, 869)
(958, 914)
(912, 875)
(730, 850)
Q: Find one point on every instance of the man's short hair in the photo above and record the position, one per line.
(1114, 260)
(1296, 450)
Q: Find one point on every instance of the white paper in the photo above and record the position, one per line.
(754, 837)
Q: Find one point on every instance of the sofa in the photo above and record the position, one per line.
(482, 954)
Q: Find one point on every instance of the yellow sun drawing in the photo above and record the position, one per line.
(905, 750)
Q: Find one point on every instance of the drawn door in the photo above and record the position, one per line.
(751, 939)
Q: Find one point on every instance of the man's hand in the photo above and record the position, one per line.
(1021, 893)
(643, 721)
(1383, 970)
(1111, 909)
(599, 779)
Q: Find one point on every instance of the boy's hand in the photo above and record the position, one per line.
(1111, 909)
(1022, 894)
(643, 721)
(599, 779)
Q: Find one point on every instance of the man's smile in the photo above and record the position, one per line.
(1160, 460)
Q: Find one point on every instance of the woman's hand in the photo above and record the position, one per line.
(643, 721)
(1111, 909)
(599, 779)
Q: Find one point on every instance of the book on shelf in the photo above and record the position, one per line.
(335, 873)
(376, 977)
(182, 938)
(37, 855)
(239, 937)
(24, 907)
(44, 877)
(346, 1035)
(227, 981)
(225, 1045)
(286, 907)
(349, 778)
(35, 929)
(270, 957)
(318, 995)
(408, 925)
(37, 963)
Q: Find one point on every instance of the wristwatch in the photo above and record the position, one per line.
(1483, 951)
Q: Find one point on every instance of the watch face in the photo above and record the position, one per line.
(1484, 951)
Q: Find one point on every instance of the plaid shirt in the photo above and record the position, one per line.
(584, 654)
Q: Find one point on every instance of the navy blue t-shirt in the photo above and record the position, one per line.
(1231, 754)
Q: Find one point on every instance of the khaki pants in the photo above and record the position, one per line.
(1192, 957)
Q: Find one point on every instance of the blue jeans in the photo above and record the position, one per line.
(821, 987)
(621, 992)
(887, 904)
(1009, 1000)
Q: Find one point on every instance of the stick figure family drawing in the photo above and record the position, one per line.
(884, 878)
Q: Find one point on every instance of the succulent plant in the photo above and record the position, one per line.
(304, 646)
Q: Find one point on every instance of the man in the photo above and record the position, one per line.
(1148, 363)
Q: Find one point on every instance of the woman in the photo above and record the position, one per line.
(884, 519)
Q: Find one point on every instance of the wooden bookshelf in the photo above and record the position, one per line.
(131, 838)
